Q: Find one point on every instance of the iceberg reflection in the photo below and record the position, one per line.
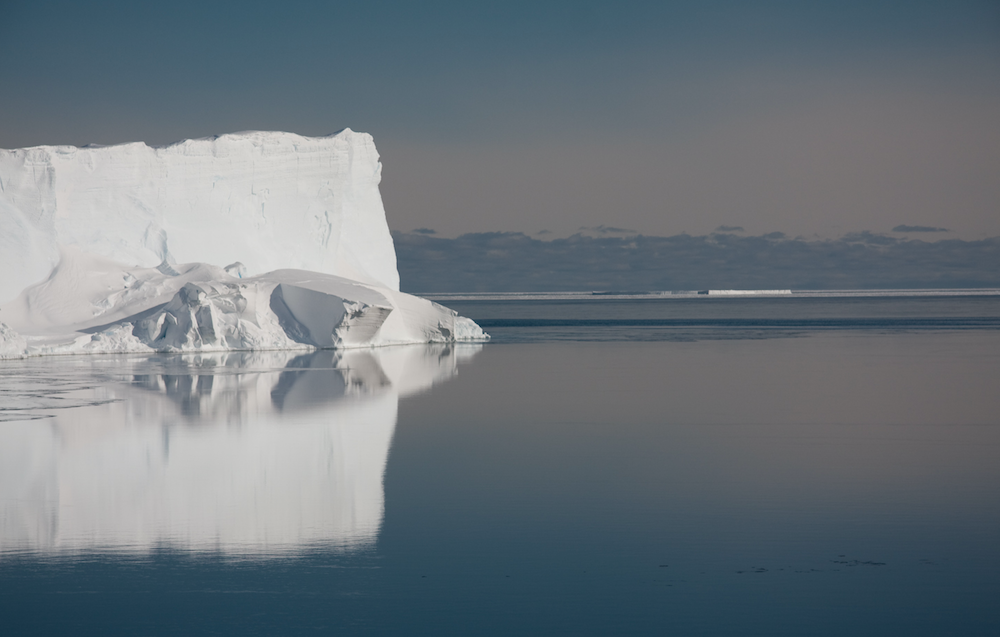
(250, 453)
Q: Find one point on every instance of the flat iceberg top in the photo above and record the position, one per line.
(257, 135)
(267, 199)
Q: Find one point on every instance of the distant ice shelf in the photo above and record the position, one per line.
(257, 240)
(448, 297)
(744, 292)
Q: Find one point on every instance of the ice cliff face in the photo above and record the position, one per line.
(269, 200)
(247, 241)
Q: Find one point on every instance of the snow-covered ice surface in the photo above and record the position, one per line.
(257, 240)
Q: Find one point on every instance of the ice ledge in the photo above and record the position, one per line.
(202, 308)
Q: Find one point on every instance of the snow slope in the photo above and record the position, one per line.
(253, 240)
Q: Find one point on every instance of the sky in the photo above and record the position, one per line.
(814, 119)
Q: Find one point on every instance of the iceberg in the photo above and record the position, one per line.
(245, 241)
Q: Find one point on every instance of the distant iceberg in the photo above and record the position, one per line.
(248, 241)
(745, 292)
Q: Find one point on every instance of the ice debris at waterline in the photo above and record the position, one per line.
(257, 240)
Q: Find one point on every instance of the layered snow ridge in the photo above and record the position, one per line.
(258, 240)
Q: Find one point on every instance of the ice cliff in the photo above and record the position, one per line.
(256, 240)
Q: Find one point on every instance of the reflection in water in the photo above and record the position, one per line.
(241, 453)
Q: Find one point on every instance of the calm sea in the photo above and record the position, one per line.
(606, 465)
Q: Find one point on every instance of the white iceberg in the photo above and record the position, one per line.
(257, 240)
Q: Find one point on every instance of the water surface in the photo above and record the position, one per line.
(723, 476)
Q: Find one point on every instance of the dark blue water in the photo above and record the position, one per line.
(713, 467)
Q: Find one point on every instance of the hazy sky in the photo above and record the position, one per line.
(810, 118)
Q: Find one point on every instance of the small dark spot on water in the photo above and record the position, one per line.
(664, 565)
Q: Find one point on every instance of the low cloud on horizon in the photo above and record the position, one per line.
(516, 262)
